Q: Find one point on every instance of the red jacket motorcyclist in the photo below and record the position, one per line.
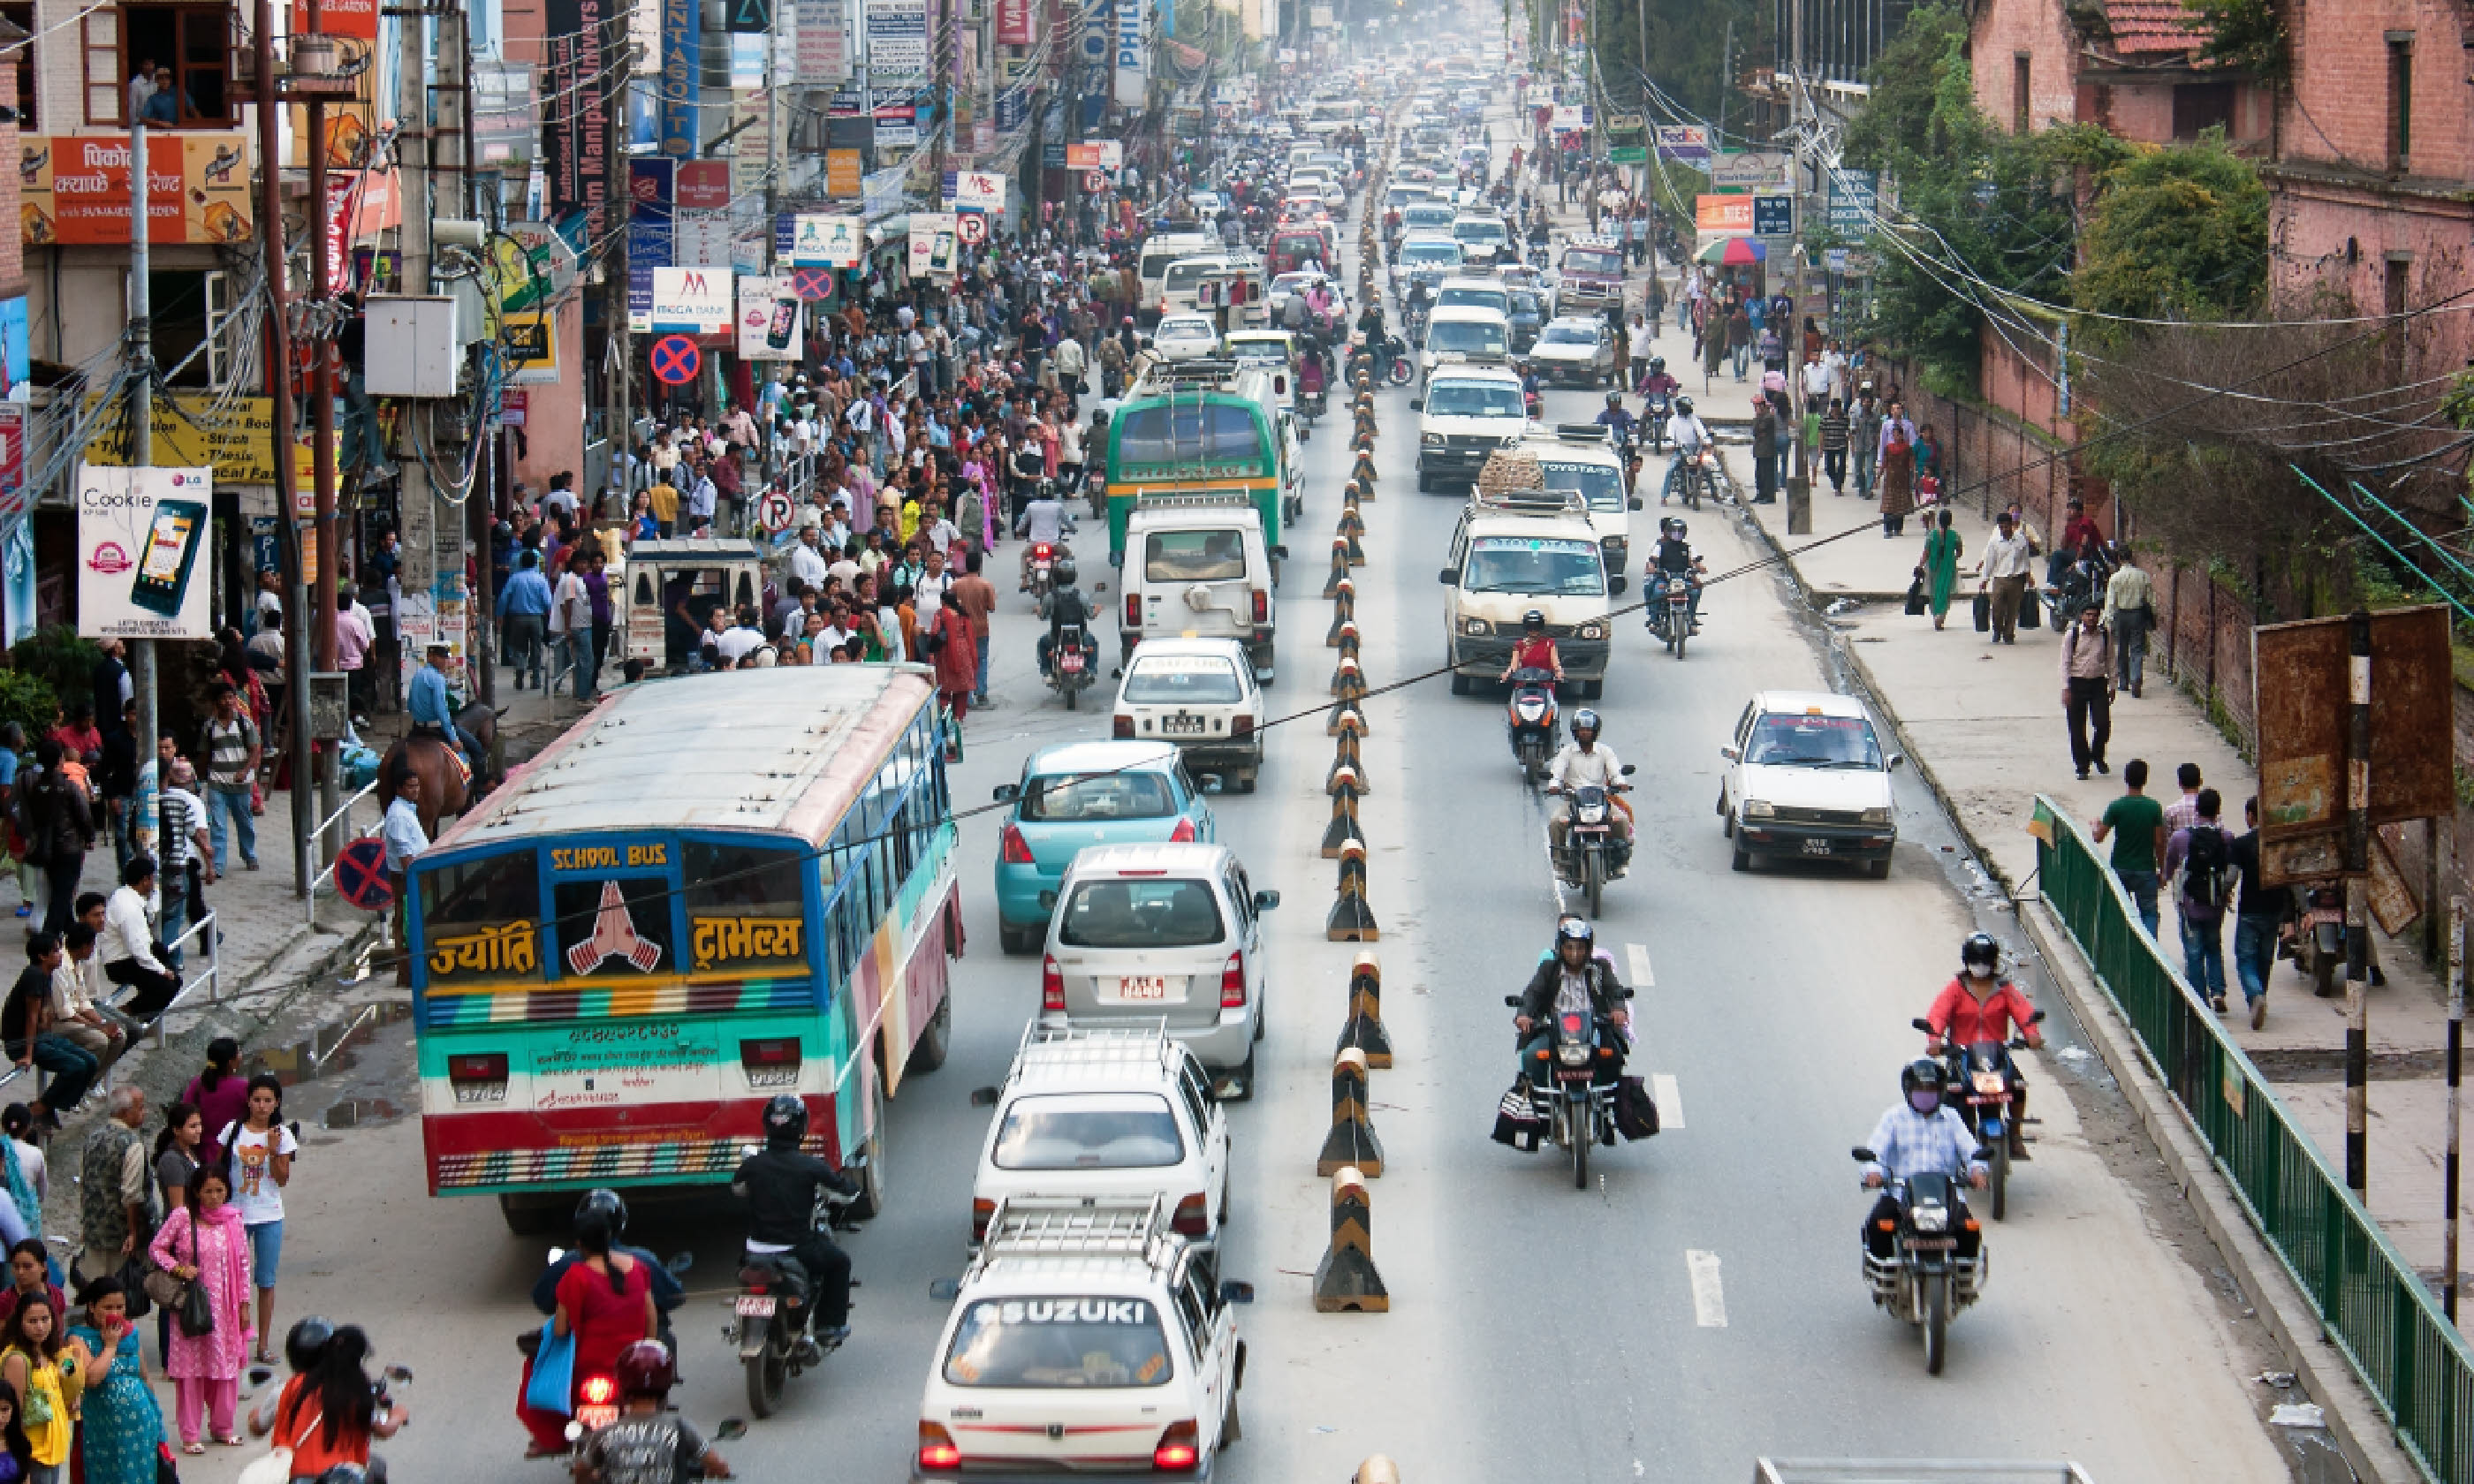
(1959, 1015)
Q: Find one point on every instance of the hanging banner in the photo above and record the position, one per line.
(1133, 51)
(1729, 216)
(75, 189)
(897, 41)
(934, 236)
(843, 172)
(681, 64)
(338, 17)
(13, 462)
(979, 190)
(1097, 154)
(506, 112)
(1686, 143)
(690, 300)
(140, 534)
(771, 320)
(821, 54)
(827, 242)
(575, 115)
(528, 347)
(1015, 23)
(236, 441)
(1759, 173)
(703, 185)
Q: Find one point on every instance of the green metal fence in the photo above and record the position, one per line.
(2370, 1300)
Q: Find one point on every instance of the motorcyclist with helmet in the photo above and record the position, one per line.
(1378, 345)
(1674, 561)
(649, 1444)
(1581, 764)
(779, 1185)
(1658, 383)
(1535, 649)
(1978, 1005)
(1918, 1136)
(1689, 435)
(1576, 978)
(1064, 606)
(601, 1211)
(1620, 424)
(1416, 307)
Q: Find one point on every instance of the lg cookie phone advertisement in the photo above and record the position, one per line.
(142, 536)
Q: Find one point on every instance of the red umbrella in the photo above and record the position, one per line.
(1735, 252)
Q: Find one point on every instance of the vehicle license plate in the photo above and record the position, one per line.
(1932, 1243)
(1073, 663)
(1182, 726)
(1816, 847)
(756, 1306)
(481, 1092)
(1142, 987)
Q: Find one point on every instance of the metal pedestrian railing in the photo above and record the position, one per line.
(2369, 1298)
(340, 825)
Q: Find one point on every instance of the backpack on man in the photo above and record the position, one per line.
(2209, 875)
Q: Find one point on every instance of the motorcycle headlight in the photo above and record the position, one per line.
(1593, 814)
(1476, 627)
(1573, 1053)
(1879, 815)
(1593, 631)
(1758, 809)
(1931, 1218)
(1430, 440)
(1531, 711)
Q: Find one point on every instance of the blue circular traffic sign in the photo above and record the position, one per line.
(676, 360)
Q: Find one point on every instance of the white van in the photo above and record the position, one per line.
(1184, 288)
(1514, 554)
(1196, 567)
(1464, 335)
(1577, 457)
(1158, 252)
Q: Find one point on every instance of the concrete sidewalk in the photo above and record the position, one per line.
(1984, 723)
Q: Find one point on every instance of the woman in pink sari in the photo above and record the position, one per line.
(203, 1240)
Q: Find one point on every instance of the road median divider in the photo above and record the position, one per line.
(1351, 919)
(1364, 1032)
(1345, 1282)
(1351, 1140)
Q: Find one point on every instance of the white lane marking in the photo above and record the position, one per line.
(1639, 953)
(1669, 1101)
(1708, 1299)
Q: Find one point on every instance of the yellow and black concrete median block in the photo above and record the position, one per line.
(1343, 829)
(1338, 567)
(1351, 1140)
(1344, 612)
(1365, 1032)
(1348, 756)
(1351, 919)
(1345, 1280)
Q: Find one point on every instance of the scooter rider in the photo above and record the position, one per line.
(1065, 607)
(648, 1441)
(1920, 1137)
(1619, 425)
(601, 1210)
(1980, 1005)
(779, 1185)
(1689, 435)
(1043, 523)
(1674, 561)
(1377, 344)
(1575, 980)
(1535, 649)
(1583, 764)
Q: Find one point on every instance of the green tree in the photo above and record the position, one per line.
(1685, 38)
(2175, 234)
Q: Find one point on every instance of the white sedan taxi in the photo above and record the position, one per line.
(1806, 778)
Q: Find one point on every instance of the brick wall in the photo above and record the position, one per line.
(2338, 112)
(2003, 30)
(13, 246)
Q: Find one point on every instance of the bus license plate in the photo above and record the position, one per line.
(1142, 987)
(1816, 847)
(481, 1092)
(756, 1306)
(1182, 726)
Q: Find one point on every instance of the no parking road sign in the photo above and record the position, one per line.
(676, 360)
(973, 226)
(360, 874)
(1095, 182)
(773, 511)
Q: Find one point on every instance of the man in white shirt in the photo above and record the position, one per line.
(1583, 764)
(127, 944)
(73, 1012)
(403, 836)
(185, 845)
(2006, 559)
(1689, 435)
(739, 640)
(570, 629)
(927, 593)
(808, 561)
(845, 569)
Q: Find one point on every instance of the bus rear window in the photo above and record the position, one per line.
(480, 918)
(1212, 433)
(1071, 1341)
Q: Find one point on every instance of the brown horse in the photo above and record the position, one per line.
(443, 791)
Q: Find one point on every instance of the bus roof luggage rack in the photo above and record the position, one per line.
(1193, 499)
(1206, 368)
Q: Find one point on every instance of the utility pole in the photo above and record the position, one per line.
(431, 546)
(321, 453)
(142, 433)
(2358, 871)
(2453, 931)
(1799, 471)
(287, 483)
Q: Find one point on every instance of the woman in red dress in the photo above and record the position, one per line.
(605, 1301)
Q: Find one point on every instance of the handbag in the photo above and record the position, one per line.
(1636, 1110)
(551, 1387)
(196, 1311)
(1915, 598)
(1984, 613)
(2030, 604)
(275, 1465)
(167, 1472)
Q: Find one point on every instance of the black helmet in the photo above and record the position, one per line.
(1658, 365)
(601, 1217)
(1584, 718)
(306, 1341)
(1922, 1072)
(1614, 399)
(785, 1121)
(1683, 406)
(1533, 619)
(1980, 948)
(1063, 569)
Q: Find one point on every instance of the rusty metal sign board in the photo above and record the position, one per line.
(2301, 673)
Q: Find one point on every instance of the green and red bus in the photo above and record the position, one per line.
(710, 891)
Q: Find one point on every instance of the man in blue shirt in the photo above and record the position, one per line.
(433, 715)
(524, 605)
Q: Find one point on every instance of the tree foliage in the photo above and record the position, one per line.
(1685, 38)
(2175, 234)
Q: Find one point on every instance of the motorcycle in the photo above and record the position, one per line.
(1530, 721)
(1593, 853)
(1577, 1104)
(1979, 1081)
(1043, 564)
(1073, 661)
(1670, 612)
(1401, 370)
(1654, 416)
(1700, 472)
(774, 1345)
(1537, 255)
(597, 1393)
(1534, 405)
(1924, 1281)
(1414, 321)
(2319, 945)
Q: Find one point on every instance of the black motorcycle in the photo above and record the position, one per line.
(1979, 1080)
(1653, 417)
(775, 1322)
(1924, 1280)
(1528, 721)
(1574, 1095)
(1594, 852)
(1073, 661)
(1670, 610)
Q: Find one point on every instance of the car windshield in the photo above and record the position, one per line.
(1183, 275)
(1147, 912)
(1469, 337)
(1496, 299)
(1478, 232)
(1432, 253)
(1181, 680)
(1194, 556)
(1524, 303)
(1426, 216)
(1186, 329)
(1590, 260)
(1092, 1130)
(1295, 283)
(1807, 741)
(1044, 1342)
(1060, 798)
(1567, 335)
(1599, 484)
(1475, 400)
(1535, 565)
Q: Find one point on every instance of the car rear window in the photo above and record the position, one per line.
(1066, 797)
(1194, 556)
(1469, 337)
(1073, 1341)
(1102, 1130)
(1179, 680)
(1145, 912)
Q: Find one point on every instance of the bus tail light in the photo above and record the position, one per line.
(770, 1062)
(1177, 1448)
(1013, 848)
(1051, 984)
(1183, 834)
(1189, 1220)
(479, 1076)
(937, 1449)
(1233, 982)
(982, 1213)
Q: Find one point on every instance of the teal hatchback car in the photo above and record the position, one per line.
(1080, 794)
